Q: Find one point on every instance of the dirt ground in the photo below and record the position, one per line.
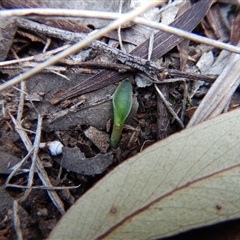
(83, 123)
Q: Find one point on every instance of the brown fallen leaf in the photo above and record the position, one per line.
(188, 180)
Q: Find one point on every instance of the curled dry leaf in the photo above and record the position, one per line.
(75, 161)
(188, 180)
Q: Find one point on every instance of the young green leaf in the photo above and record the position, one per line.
(122, 104)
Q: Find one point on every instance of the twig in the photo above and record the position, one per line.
(150, 48)
(169, 107)
(16, 220)
(34, 157)
(40, 169)
(60, 75)
(98, 65)
(78, 46)
(119, 30)
(44, 187)
(17, 166)
(21, 101)
(48, 42)
(185, 92)
(50, 31)
(39, 57)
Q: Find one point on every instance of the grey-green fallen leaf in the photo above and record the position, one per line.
(122, 104)
(188, 180)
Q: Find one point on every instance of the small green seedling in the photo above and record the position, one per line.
(122, 104)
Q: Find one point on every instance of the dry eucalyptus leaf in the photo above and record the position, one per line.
(75, 161)
(188, 180)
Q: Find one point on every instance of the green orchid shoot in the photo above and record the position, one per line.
(122, 104)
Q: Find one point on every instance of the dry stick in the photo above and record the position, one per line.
(60, 75)
(169, 107)
(44, 188)
(39, 57)
(16, 221)
(109, 15)
(119, 30)
(98, 65)
(34, 157)
(48, 42)
(185, 92)
(78, 46)
(21, 101)
(51, 31)
(17, 166)
(40, 169)
(150, 48)
(27, 65)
